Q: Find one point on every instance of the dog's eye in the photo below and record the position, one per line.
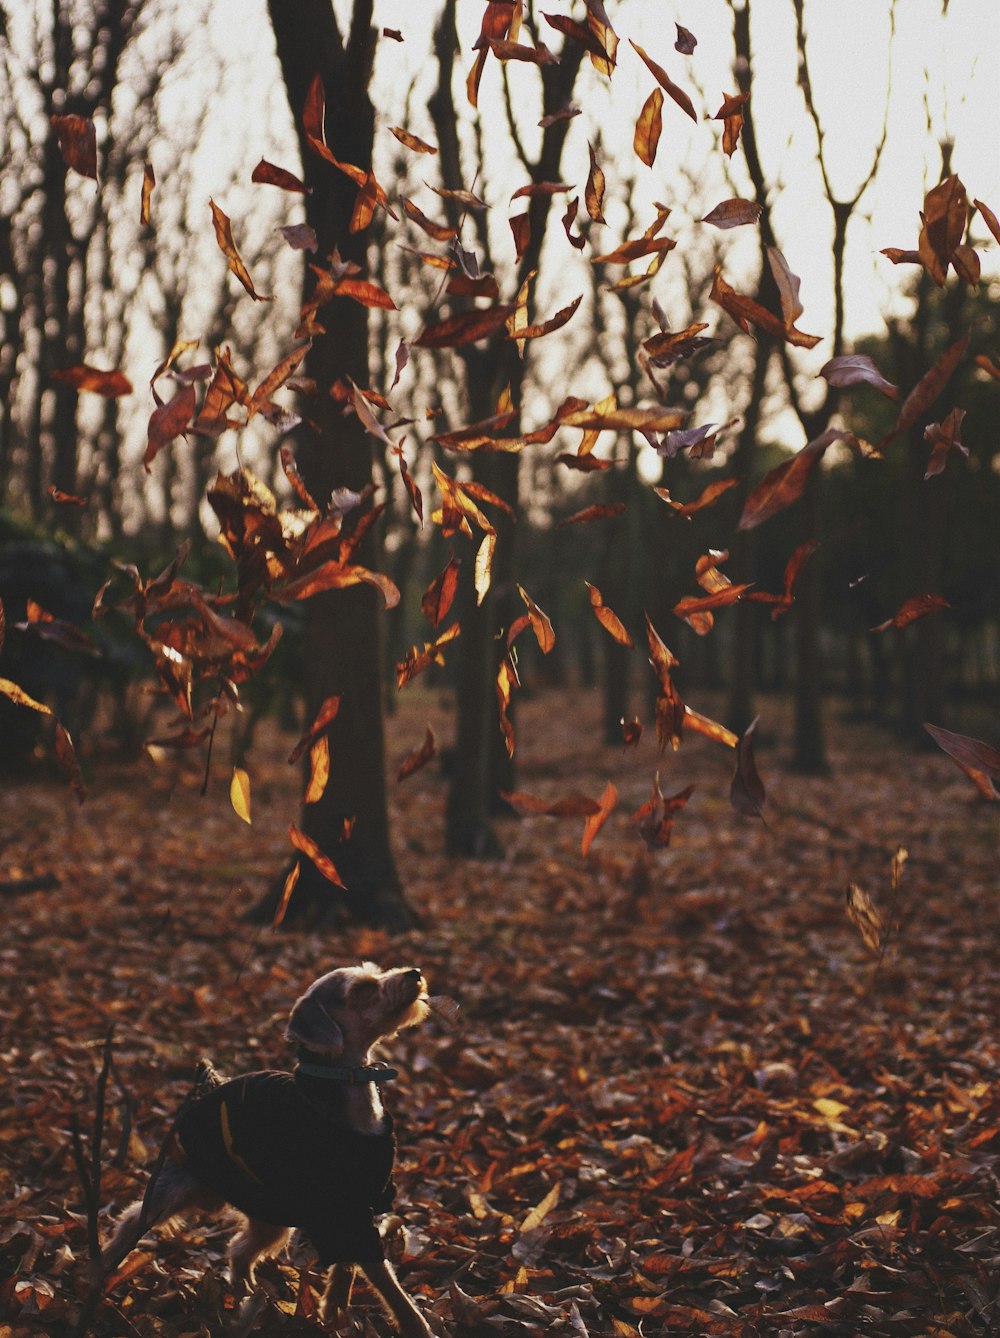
(364, 989)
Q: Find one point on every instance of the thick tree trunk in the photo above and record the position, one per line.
(343, 627)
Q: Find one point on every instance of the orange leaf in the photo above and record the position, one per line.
(419, 757)
(917, 606)
(224, 236)
(607, 617)
(465, 327)
(82, 377)
(784, 484)
(77, 140)
(325, 716)
(319, 769)
(267, 174)
(591, 513)
(324, 864)
(540, 624)
(437, 598)
(593, 194)
(666, 83)
(145, 202)
(286, 894)
(596, 821)
(648, 128)
(411, 141)
(745, 311)
(572, 806)
(168, 421)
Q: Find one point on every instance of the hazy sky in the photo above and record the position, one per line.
(944, 74)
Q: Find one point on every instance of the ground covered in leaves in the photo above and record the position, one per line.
(681, 1098)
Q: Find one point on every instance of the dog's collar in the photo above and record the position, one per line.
(356, 1076)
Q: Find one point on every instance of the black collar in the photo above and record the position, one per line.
(355, 1077)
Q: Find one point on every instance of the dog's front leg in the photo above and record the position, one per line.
(337, 1296)
(409, 1319)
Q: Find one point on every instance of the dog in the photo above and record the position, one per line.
(312, 1149)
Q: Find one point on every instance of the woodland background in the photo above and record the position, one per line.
(470, 481)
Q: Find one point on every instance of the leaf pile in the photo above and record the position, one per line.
(682, 1097)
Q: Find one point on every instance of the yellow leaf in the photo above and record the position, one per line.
(239, 793)
(319, 769)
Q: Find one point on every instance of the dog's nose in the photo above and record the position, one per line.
(413, 972)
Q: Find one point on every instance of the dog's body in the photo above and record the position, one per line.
(313, 1149)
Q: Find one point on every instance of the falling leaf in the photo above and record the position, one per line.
(783, 602)
(336, 575)
(419, 757)
(286, 894)
(631, 731)
(21, 698)
(411, 141)
(65, 498)
(596, 821)
(711, 729)
(648, 128)
(593, 194)
(268, 174)
(82, 377)
(864, 915)
(145, 202)
(239, 793)
(465, 327)
(607, 617)
(319, 769)
(914, 608)
(990, 367)
(540, 624)
(324, 864)
(745, 311)
(325, 716)
(686, 41)
(970, 754)
(483, 569)
(655, 818)
(708, 497)
(944, 437)
(571, 806)
(746, 793)
(417, 660)
(555, 322)
(944, 215)
(67, 759)
(720, 599)
(665, 82)
(224, 236)
(928, 388)
(77, 140)
(788, 287)
(506, 681)
(437, 598)
(168, 422)
(299, 236)
(733, 214)
(731, 115)
(589, 514)
(520, 227)
(784, 484)
(669, 346)
(850, 368)
(989, 218)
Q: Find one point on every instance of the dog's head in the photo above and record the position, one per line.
(343, 1014)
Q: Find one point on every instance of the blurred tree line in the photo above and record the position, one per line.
(85, 279)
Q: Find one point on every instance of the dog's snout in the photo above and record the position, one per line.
(413, 973)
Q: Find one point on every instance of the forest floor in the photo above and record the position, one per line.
(681, 1096)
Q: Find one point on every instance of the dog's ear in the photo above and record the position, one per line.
(311, 1025)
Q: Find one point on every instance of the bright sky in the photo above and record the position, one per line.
(944, 74)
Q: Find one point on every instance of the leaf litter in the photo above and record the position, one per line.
(673, 1092)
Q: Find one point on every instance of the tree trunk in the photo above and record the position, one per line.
(342, 654)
